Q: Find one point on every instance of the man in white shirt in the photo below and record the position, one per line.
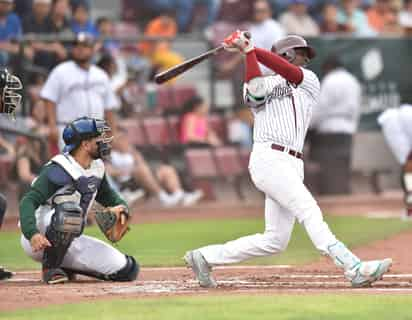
(264, 30)
(396, 129)
(77, 88)
(296, 19)
(334, 122)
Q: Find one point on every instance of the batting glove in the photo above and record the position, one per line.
(238, 41)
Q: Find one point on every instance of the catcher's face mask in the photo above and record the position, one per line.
(104, 140)
(10, 98)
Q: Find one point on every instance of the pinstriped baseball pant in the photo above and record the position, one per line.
(280, 177)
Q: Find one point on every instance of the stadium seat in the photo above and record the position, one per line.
(135, 132)
(202, 169)
(173, 123)
(157, 131)
(217, 122)
(230, 167)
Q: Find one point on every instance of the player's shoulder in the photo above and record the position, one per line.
(310, 77)
(67, 66)
(98, 72)
(56, 174)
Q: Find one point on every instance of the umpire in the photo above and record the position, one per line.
(77, 88)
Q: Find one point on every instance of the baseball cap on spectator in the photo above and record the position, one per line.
(84, 38)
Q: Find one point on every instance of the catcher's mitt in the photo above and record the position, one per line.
(113, 222)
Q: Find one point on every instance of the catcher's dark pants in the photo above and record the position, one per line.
(333, 153)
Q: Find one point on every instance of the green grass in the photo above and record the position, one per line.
(314, 307)
(164, 244)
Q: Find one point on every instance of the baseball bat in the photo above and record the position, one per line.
(185, 65)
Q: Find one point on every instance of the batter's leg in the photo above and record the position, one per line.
(278, 228)
(285, 184)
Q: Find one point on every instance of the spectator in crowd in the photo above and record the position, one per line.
(28, 163)
(335, 121)
(184, 10)
(264, 30)
(105, 30)
(194, 126)
(159, 52)
(36, 20)
(379, 14)
(296, 19)
(81, 21)
(58, 21)
(329, 22)
(77, 88)
(10, 31)
(46, 54)
(22, 7)
(240, 128)
(405, 17)
(128, 166)
(235, 11)
(352, 16)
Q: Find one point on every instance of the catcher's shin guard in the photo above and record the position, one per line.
(128, 273)
(67, 223)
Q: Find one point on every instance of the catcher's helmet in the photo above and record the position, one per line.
(10, 99)
(285, 47)
(86, 128)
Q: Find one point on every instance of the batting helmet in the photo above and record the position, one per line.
(86, 128)
(10, 99)
(286, 47)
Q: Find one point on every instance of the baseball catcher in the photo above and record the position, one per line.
(54, 211)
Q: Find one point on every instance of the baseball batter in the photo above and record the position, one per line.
(282, 105)
(396, 129)
(54, 212)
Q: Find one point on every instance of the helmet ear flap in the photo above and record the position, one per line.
(290, 55)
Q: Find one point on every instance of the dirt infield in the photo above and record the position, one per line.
(25, 290)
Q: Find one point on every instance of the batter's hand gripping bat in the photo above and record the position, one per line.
(185, 65)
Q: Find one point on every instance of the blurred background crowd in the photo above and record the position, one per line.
(173, 140)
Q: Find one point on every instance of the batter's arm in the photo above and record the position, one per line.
(111, 119)
(281, 66)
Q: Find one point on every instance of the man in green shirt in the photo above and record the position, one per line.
(54, 211)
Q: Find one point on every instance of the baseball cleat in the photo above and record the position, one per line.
(366, 273)
(201, 268)
(54, 276)
(5, 274)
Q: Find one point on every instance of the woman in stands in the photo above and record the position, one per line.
(194, 127)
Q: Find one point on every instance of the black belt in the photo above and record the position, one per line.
(293, 153)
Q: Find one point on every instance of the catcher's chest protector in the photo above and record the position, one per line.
(86, 181)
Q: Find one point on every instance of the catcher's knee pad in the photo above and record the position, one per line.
(67, 223)
(128, 273)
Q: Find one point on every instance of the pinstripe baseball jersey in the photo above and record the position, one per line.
(285, 117)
